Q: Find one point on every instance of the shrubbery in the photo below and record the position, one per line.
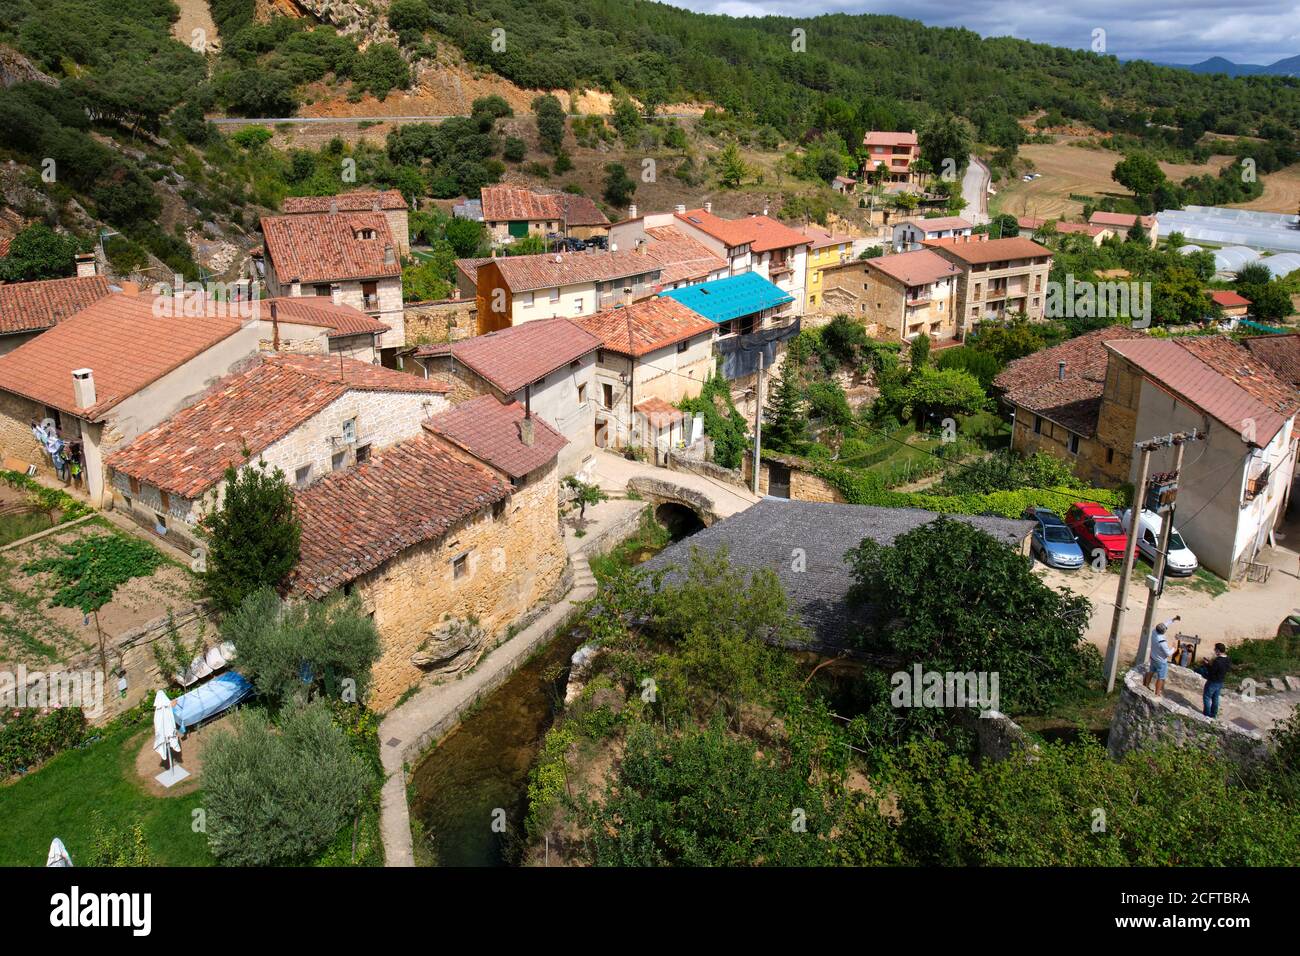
(28, 738)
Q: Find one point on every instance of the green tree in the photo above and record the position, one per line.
(785, 423)
(304, 648)
(38, 252)
(253, 537)
(919, 351)
(627, 118)
(380, 69)
(946, 143)
(1141, 175)
(731, 167)
(619, 186)
(550, 123)
(584, 493)
(278, 795)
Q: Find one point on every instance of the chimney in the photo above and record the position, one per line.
(85, 264)
(334, 205)
(1060, 370)
(83, 387)
(527, 434)
(336, 293)
(390, 258)
(275, 331)
(295, 287)
(631, 211)
(680, 207)
(708, 206)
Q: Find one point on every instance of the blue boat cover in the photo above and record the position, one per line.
(212, 698)
(725, 299)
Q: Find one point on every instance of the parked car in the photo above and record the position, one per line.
(1097, 528)
(1180, 560)
(1052, 542)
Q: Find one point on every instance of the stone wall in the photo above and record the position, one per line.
(682, 461)
(804, 485)
(1143, 720)
(514, 562)
(16, 438)
(426, 322)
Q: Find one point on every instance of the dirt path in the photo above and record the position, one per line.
(196, 26)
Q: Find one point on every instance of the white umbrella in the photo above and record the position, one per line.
(164, 727)
(58, 855)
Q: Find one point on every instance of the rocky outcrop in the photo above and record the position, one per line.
(452, 646)
(16, 68)
(368, 22)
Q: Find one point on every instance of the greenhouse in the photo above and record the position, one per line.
(1269, 231)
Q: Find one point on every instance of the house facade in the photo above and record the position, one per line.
(1000, 278)
(310, 254)
(897, 297)
(911, 233)
(826, 250)
(1122, 222)
(512, 212)
(890, 155)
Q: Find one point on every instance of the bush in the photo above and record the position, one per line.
(514, 149)
(277, 796)
(253, 537)
(380, 70)
(28, 738)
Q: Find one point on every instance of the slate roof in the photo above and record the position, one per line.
(362, 200)
(34, 306)
(765, 535)
(245, 413)
(1281, 353)
(1221, 378)
(644, 327)
(490, 431)
(762, 233)
(1034, 382)
(918, 268)
(511, 358)
(354, 521)
(319, 310)
(121, 340)
(319, 247)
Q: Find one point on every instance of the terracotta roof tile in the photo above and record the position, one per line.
(762, 233)
(363, 200)
(490, 430)
(1083, 228)
(921, 267)
(33, 306)
(1122, 220)
(977, 252)
(319, 310)
(245, 413)
(1281, 353)
(659, 413)
(511, 358)
(681, 257)
(1228, 299)
(121, 340)
(820, 238)
(517, 204)
(643, 327)
(319, 247)
(888, 138)
(939, 223)
(354, 521)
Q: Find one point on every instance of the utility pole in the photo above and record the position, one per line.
(1156, 584)
(758, 416)
(1145, 448)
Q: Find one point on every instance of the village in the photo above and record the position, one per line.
(590, 479)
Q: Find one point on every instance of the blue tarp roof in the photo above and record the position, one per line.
(212, 698)
(725, 299)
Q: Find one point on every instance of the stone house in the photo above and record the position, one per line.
(114, 370)
(29, 308)
(309, 254)
(307, 415)
(453, 550)
(653, 350)
(513, 212)
(909, 234)
(1000, 277)
(314, 324)
(390, 202)
(897, 297)
(547, 366)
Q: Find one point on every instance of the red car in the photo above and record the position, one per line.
(1096, 528)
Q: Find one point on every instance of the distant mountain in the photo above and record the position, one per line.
(1217, 64)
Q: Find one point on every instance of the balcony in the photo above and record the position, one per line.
(370, 303)
(1256, 486)
(919, 298)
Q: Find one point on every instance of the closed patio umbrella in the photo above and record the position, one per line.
(165, 740)
(58, 855)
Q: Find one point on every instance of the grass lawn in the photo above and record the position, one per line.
(58, 799)
(1269, 657)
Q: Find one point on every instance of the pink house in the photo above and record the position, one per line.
(892, 153)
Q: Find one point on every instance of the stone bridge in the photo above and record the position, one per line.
(678, 505)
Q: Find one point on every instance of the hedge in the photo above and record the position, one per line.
(50, 499)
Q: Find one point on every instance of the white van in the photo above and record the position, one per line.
(1179, 562)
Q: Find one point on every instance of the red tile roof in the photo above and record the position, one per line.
(762, 233)
(469, 267)
(319, 310)
(1083, 228)
(644, 327)
(1073, 400)
(681, 257)
(886, 138)
(1281, 353)
(243, 414)
(1229, 299)
(121, 340)
(659, 413)
(354, 521)
(1123, 220)
(490, 430)
(33, 306)
(1221, 378)
(319, 247)
(939, 223)
(921, 267)
(820, 238)
(511, 358)
(516, 204)
(1029, 222)
(363, 200)
(988, 250)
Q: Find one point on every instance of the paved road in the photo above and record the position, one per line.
(276, 120)
(975, 190)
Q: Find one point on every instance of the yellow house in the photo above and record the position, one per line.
(827, 249)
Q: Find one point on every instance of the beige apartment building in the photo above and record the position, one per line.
(1000, 278)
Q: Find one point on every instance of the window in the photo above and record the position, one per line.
(350, 431)
(526, 299)
(322, 290)
(577, 305)
(607, 391)
(683, 345)
(1038, 425)
(338, 460)
(1074, 444)
(499, 510)
(582, 394)
(555, 295)
(1110, 455)
(459, 567)
(302, 476)
(165, 500)
(370, 295)
(135, 485)
(363, 454)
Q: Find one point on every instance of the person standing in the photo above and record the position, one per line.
(1215, 674)
(1161, 650)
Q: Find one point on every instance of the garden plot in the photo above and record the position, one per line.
(52, 589)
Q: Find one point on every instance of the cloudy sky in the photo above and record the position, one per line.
(1167, 31)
